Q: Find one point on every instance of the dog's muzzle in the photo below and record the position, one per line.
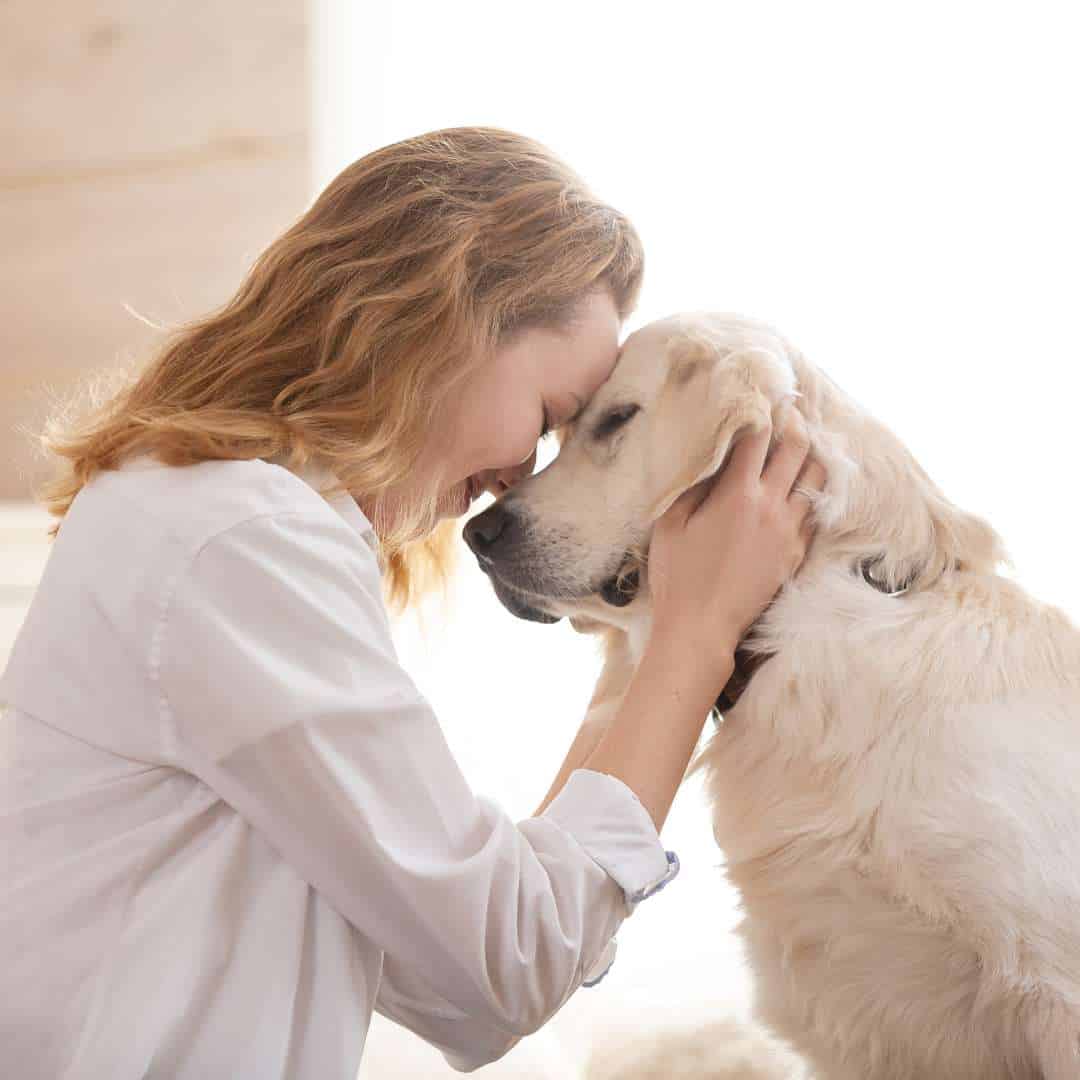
(519, 605)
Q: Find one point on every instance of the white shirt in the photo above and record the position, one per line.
(230, 825)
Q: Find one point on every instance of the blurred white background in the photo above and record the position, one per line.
(895, 187)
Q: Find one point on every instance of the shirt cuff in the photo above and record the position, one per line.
(606, 818)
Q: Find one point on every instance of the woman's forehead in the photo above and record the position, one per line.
(593, 344)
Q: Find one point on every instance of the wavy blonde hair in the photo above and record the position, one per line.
(351, 329)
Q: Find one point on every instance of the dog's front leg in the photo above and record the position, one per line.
(607, 697)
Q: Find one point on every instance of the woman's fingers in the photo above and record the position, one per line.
(801, 500)
(748, 456)
(789, 455)
(687, 503)
(810, 482)
(743, 471)
(746, 462)
(789, 474)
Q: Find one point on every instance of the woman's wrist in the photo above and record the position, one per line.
(646, 735)
(693, 674)
(658, 723)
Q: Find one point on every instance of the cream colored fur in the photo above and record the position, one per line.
(898, 791)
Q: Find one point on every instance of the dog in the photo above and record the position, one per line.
(895, 780)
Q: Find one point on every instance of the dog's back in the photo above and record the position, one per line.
(898, 797)
(897, 790)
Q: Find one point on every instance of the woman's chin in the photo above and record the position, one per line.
(451, 504)
(455, 503)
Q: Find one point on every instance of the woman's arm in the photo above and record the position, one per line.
(279, 688)
(405, 997)
(649, 742)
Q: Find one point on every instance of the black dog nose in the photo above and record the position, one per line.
(490, 533)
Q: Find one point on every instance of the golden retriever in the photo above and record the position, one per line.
(896, 779)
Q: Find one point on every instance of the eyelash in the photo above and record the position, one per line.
(614, 420)
(545, 431)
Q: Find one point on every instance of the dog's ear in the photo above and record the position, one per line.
(691, 356)
(922, 533)
(958, 539)
(723, 391)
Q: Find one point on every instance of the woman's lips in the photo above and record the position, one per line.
(465, 493)
(471, 488)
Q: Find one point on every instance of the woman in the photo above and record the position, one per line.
(232, 825)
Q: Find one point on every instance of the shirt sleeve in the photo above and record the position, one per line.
(466, 1043)
(407, 999)
(280, 689)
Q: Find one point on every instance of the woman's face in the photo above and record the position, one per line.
(485, 438)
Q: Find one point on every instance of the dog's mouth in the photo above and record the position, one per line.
(619, 591)
(519, 605)
(529, 601)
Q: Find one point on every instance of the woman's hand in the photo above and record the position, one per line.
(721, 552)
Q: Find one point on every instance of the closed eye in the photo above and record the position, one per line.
(545, 429)
(613, 420)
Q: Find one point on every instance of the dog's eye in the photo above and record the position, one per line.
(614, 420)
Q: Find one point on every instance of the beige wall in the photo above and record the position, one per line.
(147, 152)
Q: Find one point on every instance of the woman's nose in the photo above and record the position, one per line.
(502, 480)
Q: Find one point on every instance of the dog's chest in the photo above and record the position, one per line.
(795, 765)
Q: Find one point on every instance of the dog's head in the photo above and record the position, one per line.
(572, 539)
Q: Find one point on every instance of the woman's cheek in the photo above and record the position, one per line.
(515, 440)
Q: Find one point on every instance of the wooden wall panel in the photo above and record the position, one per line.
(147, 153)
